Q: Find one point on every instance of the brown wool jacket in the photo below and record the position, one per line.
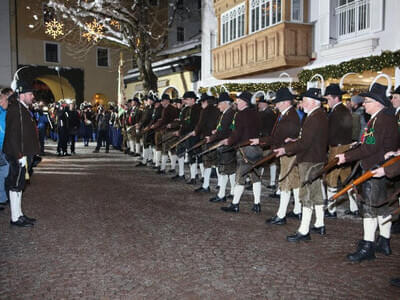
(209, 118)
(313, 142)
(267, 119)
(247, 126)
(168, 115)
(386, 139)
(20, 139)
(393, 170)
(190, 119)
(340, 126)
(225, 130)
(287, 126)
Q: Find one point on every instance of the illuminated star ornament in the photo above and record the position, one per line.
(94, 31)
(54, 28)
(116, 24)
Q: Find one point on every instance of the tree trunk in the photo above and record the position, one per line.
(147, 75)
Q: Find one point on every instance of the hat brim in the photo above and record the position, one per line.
(376, 97)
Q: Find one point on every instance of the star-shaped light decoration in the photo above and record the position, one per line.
(95, 31)
(54, 28)
(116, 24)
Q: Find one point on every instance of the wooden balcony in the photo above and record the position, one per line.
(282, 46)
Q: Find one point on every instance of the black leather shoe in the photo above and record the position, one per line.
(94, 151)
(161, 172)
(272, 187)
(365, 251)
(383, 245)
(330, 215)
(154, 167)
(274, 195)
(217, 199)
(297, 237)
(256, 208)
(21, 222)
(320, 230)
(191, 181)
(140, 164)
(136, 154)
(32, 220)
(276, 221)
(66, 154)
(171, 171)
(395, 282)
(351, 213)
(202, 190)
(177, 177)
(231, 208)
(294, 215)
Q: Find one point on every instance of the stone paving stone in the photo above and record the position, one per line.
(108, 230)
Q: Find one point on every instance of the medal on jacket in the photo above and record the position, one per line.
(368, 135)
(233, 124)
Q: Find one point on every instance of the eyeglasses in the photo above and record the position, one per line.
(369, 101)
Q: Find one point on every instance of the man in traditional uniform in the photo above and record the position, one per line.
(103, 129)
(190, 118)
(287, 126)
(143, 124)
(168, 115)
(20, 143)
(246, 126)
(226, 160)
(340, 139)
(380, 136)
(208, 121)
(310, 149)
(134, 116)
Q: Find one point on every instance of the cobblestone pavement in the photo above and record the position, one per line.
(107, 230)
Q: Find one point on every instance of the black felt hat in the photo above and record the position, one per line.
(397, 90)
(378, 93)
(314, 93)
(261, 99)
(334, 89)
(23, 87)
(177, 100)
(245, 96)
(165, 97)
(283, 94)
(189, 94)
(224, 97)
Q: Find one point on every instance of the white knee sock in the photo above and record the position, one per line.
(201, 166)
(193, 171)
(272, 173)
(237, 193)
(352, 201)
(232, 179)
(283, 204)
(146, 152)
(305, 220)
(330, 192)
(173, 159)
(384, 229)
(297, 203)
(207, 174)
(218, 177)
(319, 216)
(154, 154)
(186, 158)
(164, 159)
(181, 165)
(131, 146)
(257, 192)
(222, 185)
(158, 158)
(15, 205)
(137, 149)
(370, 225)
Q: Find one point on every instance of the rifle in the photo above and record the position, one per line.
(199, 144)
(186, 137)
(262, 161)
(364, 177)
(212, 148)
(392, 214)
(238, 146)
(166, 140)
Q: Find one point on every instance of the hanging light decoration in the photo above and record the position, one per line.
(95, 31)
(54, 28)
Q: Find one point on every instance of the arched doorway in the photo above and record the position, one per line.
(171, 91)
(59, 87)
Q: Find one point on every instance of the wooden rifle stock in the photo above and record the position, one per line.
(199, 144)
(181, 140)
(364, 177)
(262, 161)
(212, 148)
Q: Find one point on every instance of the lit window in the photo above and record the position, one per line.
(264, 13)
(232, 24)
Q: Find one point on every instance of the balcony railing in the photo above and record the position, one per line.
(353, 18)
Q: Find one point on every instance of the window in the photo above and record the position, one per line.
(102, 57)
(51, 52)
(232, 24)
(180, 34)
(297, 10)
(264, 13)
(353, 17)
